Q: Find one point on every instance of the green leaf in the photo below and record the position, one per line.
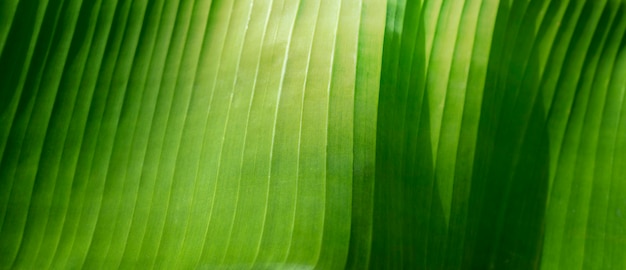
(300, 134)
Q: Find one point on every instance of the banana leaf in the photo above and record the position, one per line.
(312, 134)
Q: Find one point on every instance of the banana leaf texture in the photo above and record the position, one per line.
(313, 134)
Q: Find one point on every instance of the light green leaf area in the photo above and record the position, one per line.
(312, 134)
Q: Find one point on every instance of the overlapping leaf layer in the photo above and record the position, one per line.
(299, 134)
